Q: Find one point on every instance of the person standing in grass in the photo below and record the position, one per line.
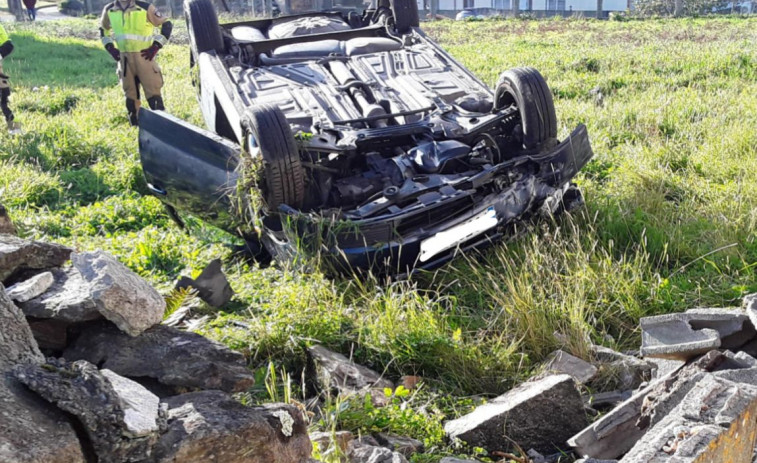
(132, 24)
(31, 9)
(6, 48)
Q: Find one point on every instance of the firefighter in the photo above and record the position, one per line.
(133, 24)
(6, 47)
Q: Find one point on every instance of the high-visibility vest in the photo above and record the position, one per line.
(131, 29)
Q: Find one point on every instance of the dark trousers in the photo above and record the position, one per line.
(5, 94)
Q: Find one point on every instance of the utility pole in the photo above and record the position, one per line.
(600, 7)
(515, 6)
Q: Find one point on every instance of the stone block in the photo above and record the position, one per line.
(671, 336)
(541, 415)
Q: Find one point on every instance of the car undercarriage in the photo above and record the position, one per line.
(357, 138)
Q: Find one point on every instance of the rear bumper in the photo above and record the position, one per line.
(463, 223)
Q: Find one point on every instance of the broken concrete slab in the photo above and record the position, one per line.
(99, 404)
(456, 460)
(750, 308)
(31, 288)
(361, 453)
(171, 356)
(561, 362)
(337, 372)
(541, 415)
(121, 296)
(732, 325)
(671, 336)
(713, 423)
(212, 426)
(68, 299)
(6, 225)
(19, 254)
(664, 367)
(211, 285)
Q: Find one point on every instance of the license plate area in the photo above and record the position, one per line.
(458, 234)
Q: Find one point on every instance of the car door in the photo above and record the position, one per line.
(188, 168)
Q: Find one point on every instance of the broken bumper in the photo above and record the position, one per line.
(429, 236)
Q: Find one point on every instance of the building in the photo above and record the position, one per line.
(538, 7)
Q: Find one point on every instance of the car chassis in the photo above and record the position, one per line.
(357, 138)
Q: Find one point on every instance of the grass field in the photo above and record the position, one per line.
(670, 219)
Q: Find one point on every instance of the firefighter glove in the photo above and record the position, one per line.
(149, 53)
(113, 51)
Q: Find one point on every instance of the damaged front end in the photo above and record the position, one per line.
(424, 221)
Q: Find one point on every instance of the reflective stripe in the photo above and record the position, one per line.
(138, 38)
(160, 39)
(106, 40)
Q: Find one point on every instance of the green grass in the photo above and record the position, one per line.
(670, 222)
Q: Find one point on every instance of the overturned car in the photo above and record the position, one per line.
(346, 132)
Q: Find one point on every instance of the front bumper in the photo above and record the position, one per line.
(429, 236)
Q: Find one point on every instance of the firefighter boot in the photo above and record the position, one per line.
(156, 103)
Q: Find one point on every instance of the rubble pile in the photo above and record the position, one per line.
(88, 373)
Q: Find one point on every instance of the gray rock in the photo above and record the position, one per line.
(561, 362)
(140, 406)
(68, 299)
(31, 288)
(361, 453)
(594, 460)
(171, 356)
(456, 460)
(326, 440)
(120, 295)
(16, 342)
(81, 390)
(335, 371)
(32, 430)
(407, 446)
(211, 426)
(620, 371)
(20, 254)
(211, 285)
(6, 226)
(663, 367)
(671, 336)
(541, 415)
(51, 335)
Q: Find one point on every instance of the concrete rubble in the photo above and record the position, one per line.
(31, 288)
(561, 362)
(18, 255)
(336, 372)
(539, 414)
(699, 407)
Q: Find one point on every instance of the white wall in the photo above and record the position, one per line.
(538, 5)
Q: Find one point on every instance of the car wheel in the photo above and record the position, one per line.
(405, 15)
(270, 139)
(202, 26)
(526, 89)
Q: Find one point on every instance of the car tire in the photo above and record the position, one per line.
(202, 26)
(270, 138)
(528, 91)
(405, 15)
